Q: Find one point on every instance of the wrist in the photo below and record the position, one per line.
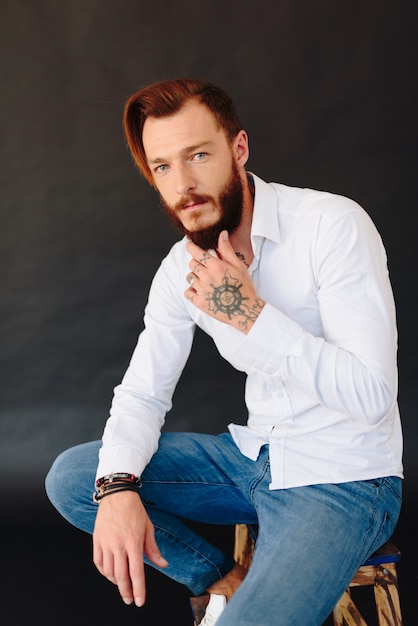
(115, 483)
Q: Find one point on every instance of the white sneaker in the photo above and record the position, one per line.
(214, 609)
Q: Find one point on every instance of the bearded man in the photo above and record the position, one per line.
(292, 285)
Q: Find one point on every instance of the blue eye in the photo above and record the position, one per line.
(200, 155)
(161, 168)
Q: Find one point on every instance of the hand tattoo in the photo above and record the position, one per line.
(227, 298)
(204, 258)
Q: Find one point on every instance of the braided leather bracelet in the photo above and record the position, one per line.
(114, 483)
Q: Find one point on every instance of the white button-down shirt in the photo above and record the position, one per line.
(321, 358)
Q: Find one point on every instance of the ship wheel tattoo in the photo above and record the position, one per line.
(228, 299)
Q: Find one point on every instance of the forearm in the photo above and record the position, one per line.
(361, 382)
(144, 396)
(131, 434)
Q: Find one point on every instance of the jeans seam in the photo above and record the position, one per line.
(195, 587)
(254, 483)
(188, 545)
(188, 482)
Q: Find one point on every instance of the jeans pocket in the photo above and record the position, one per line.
(394, 485)
(391, 491)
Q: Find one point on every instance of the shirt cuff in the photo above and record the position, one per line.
(269, 341)
(120, 459)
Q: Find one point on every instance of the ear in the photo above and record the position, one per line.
(240, 148)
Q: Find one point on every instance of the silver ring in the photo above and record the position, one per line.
(191, 280)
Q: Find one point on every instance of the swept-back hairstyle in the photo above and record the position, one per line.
(165, 98)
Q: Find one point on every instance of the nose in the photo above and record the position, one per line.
(185, 182)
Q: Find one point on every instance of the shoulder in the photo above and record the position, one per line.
(302, 201)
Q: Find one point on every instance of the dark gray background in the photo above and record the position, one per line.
(326, 91)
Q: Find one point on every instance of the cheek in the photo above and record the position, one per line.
(166, 197)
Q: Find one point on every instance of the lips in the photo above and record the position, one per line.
(191, 202)
(192, 206)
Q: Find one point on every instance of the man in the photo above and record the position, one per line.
(293, 287)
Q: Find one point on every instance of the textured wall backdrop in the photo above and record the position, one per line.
(326, 91)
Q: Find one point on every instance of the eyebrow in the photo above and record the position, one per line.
(196, 147)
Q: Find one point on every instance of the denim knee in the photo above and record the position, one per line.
(69, 484)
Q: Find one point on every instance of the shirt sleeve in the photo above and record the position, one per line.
(144, 396)
(351, 368)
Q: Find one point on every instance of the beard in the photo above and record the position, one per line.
(230, 201)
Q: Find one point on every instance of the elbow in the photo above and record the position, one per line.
(376, 402)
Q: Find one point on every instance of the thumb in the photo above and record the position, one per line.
(225, 250)
(152, 551)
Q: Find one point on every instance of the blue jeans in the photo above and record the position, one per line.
(311, 539)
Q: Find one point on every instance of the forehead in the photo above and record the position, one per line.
(192, 125)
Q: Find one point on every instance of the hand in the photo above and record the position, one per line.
(122, 534)
(222, 287)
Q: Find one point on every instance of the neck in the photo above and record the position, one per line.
(241, 238)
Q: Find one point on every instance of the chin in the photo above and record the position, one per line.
(207, 238)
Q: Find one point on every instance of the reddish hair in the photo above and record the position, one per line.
(167, 97)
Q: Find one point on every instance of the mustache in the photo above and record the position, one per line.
(192, 198)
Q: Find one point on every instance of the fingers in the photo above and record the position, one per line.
(130, 579)
(127, 573)
(114, 566)
(130, 573)
(121, 562)
(191, 279)
(123, 533)
(207, 269)
(201, 259)
(225, 250)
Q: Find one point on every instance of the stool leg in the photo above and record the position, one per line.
(346, 613)
(244, 546)
(387, 595)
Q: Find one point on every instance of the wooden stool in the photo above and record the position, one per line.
(379, 570)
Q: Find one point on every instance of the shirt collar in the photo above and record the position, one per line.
(265, 222)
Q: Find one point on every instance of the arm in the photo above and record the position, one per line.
(144, 396)
(349, 363)
(123, 532)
